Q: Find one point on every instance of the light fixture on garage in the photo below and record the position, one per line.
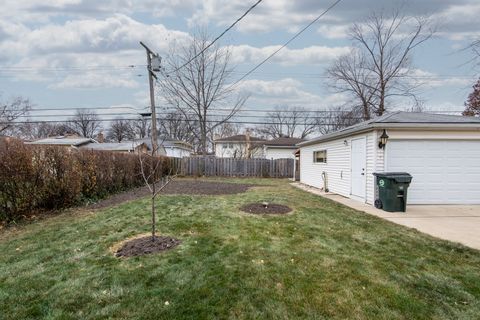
(345, 142)
(383, 139)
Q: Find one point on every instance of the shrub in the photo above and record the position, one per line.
(37, 178)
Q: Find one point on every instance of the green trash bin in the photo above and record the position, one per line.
(392, 190)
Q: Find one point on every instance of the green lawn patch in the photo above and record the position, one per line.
(320, 261)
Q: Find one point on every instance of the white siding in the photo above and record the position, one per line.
(338, 166)
(177, 152)
(370, 169)
(279, 153)
(236, 150)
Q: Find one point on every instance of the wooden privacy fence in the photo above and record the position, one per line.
(231, 167)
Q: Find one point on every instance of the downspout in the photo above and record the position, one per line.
(325, 181)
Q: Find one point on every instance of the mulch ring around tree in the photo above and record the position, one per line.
(265, 208)
(146, 245)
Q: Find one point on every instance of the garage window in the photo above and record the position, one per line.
(320, 156)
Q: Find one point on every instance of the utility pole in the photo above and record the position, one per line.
(152, 57)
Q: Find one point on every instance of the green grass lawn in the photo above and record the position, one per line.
(321, 261)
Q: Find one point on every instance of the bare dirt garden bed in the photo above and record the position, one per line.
(144, 244)
(265, 208)
(180, 186)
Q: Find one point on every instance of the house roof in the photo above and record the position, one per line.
(168, 142)
(63, 141)
(239, 138)
(402, 119)
(283, 142)
(113, 146)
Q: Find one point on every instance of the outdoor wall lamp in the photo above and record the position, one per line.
(383, 139)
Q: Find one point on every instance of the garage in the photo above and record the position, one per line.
(444, 171)
(441, 152)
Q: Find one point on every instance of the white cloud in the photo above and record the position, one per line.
(85, 53)
(431, 80)
(94, 81)
(309, 55)
(112, 34)
(334, 31)
(286, 91)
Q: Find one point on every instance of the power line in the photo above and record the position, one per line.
(182, 120)
(287, 43)
(307, 116)
(215, 40)
(73, 109)
(132, 66)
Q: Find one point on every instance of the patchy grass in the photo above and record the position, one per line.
(321, 261)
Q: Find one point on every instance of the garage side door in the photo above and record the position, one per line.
(444, 172)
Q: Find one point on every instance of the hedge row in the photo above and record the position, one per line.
(35, 179)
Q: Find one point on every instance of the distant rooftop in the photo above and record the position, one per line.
(284, 142)
(239, 138)
(63, 141)
(113, 146)
(167, 142)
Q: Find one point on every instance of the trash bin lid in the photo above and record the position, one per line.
(402, 177)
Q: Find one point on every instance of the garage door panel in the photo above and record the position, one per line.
(444, 172)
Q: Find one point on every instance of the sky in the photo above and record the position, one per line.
(66, 54)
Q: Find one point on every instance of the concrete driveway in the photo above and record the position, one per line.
(450, 222)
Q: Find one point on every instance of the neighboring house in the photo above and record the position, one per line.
(441, 152)
(177, 148)
(239, 146)
(127, 146)
(171, 147)
(71, 141)
(281, 148)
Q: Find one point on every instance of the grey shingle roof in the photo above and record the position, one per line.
(63, 141)
(167, 142)
(401, 119)
(283, 142)
(419, 117)
(239, 138)
(113, 146)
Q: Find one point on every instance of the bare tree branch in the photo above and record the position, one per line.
(292, 122)
(201, 85)
(85, 123)
(379, 67)
(12, 110)
(121, 129)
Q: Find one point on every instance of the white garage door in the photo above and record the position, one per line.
(444, 172)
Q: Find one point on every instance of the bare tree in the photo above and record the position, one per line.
(475, 48)
(120, 130)
(337, 118)
(197, 82)
(350, 74)
(85, 123)
(12, 110)
(40, 130)
(174, 125)
(289, 122)
(141, 127)
(380, 66)
(157, 173)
